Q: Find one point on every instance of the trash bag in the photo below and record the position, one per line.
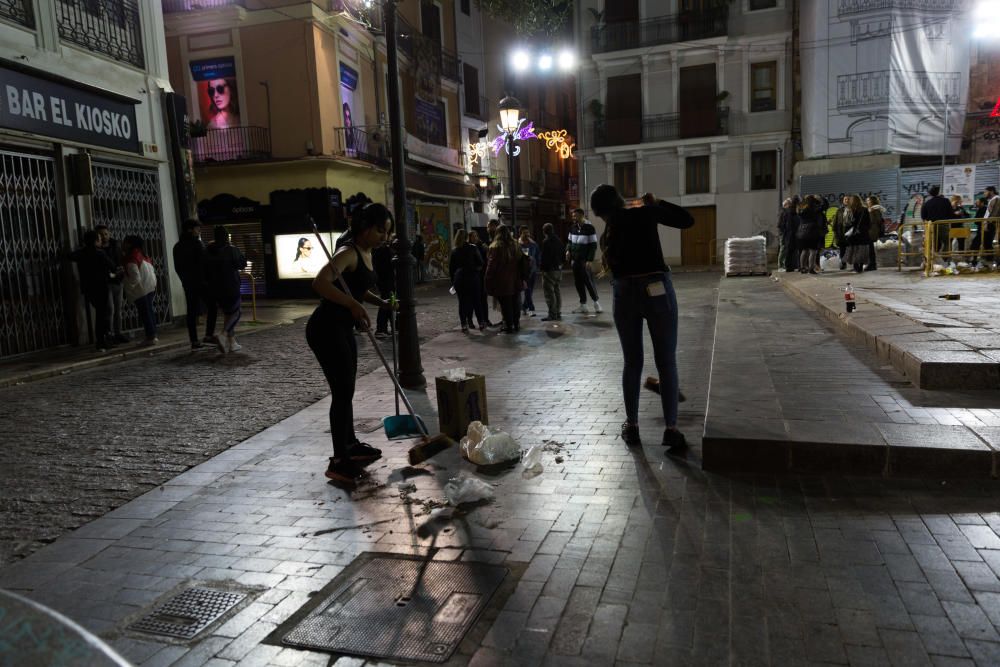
(532, 460)
(829, 263)
(485, 447)
(463, 489)
(456, 374)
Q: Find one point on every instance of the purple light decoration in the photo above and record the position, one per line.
(522, 133)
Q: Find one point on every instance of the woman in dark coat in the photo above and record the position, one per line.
(789, 226)
(465, 267)
(857, 236)
(503, 279)
(811, 233)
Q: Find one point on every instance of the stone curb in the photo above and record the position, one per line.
(929, 358)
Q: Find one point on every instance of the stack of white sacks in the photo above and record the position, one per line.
(747, 255)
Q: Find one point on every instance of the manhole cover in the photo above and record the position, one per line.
(400, 609)
(188, 613)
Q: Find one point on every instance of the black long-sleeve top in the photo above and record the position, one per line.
(552, 254)
(632, 239)
(467, 258)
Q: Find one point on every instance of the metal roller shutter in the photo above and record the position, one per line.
(882, 183)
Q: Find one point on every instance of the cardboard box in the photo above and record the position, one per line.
(460, 403)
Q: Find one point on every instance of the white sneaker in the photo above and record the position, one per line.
(232, 345)
(597, 307)
(222, 342)
(582, 309)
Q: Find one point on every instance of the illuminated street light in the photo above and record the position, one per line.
(987, 20)
(545, 62)
(567, 60)
(510, 122)
(521, 60)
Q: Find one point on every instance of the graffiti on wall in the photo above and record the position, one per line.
(434, 228)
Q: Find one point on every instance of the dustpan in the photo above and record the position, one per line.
(400, 427)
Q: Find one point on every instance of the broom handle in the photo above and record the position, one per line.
(395, 368)
(371, 337)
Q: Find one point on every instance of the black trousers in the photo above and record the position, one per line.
(331, 339)
(193, 303)
(102, 315)
(510, 307)
(584, 281)
(467, 287)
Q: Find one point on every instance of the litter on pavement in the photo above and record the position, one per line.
(483, 446)
(464, 489)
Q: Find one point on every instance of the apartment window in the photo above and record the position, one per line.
(625, 179)
(764, 86)
(697, 178)
(762, 4)
(763, 167)
(470, 75)
(465, 7)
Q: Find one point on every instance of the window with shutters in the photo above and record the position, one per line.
(697, 178)
(625, 179)
(763, 170)
(764, 86)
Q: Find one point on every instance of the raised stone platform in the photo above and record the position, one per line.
(790, 393)
(937, 344)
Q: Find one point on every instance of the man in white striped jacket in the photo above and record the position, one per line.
(580, 253)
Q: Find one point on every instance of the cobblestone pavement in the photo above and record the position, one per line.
(77, 446)
(620, 556)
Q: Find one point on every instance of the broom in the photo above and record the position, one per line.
(429, 446)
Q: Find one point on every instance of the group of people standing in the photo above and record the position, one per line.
(803, 226)
(211, 280)
(110, 271)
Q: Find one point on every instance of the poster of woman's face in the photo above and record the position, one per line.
(300, 255)
(218, 92)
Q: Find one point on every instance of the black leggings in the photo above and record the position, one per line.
(331, 338)
(510, 307)
(584, 281)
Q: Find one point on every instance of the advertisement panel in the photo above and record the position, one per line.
(299, 256)
(218, 92)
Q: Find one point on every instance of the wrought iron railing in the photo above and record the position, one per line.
(232, 144)
(661, 127)
(682, 27)
(412, 43)
(173, 6)
(111, 27)
(367, 144)
(18, 11)
(848, 7)
(878, 88)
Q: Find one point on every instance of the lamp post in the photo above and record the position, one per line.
(411, 372)
(510, 121)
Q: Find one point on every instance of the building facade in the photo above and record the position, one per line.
(83, 141)
(690, 100)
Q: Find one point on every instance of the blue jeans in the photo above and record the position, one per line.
(529, 293)
(632, 304)
(144, 306)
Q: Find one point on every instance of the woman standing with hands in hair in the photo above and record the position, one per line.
(642, 290)
(330, 334)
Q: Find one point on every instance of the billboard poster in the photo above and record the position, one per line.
(885, 76)
(299, 256)
(430, 121)
(348, 84)
(960, 180)
(218, 92)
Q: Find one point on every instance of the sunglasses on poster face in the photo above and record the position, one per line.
(221, 88)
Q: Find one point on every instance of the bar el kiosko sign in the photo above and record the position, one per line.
(59, 110)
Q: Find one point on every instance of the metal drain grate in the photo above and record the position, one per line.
(400, 609)
(188, 613)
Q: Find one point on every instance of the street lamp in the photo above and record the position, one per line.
(510, 121)
(484, 181)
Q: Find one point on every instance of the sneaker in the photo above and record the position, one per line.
(100, 350)
(221, 342)
(674, 441)
(465, 329)
(233, 345)
(211, 340)
(597, 307)
(344, 471)
(549, 319)
(582, 308)
(197, 345)
(381, 334)
(531, 313)
(630, 434)
(363, 453)
(149, 342)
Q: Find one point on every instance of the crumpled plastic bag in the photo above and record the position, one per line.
(829, 263)
(463, 489)
(485, 447)
(532, 460)
(455, 374)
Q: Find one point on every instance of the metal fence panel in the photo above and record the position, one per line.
(32, 308)
(127, 200)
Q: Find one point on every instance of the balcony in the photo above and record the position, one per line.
(482, 112)
(175, 6)
(18, 11)
(851, 7)
(873, 90)
(683, 27)
(441, 157)
(414, 45)
(109, 27)
(232, 144)
(361, 143)
(661, 127)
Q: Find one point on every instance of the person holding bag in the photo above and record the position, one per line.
(140, 285)
(857, 235)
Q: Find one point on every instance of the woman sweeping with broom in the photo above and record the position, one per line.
(330, 334)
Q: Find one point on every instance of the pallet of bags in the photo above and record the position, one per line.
(746, 256)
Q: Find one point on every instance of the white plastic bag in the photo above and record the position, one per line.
(463, 489)
(452, 291)
(456, 374)
(485, 447)
(532, 460)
